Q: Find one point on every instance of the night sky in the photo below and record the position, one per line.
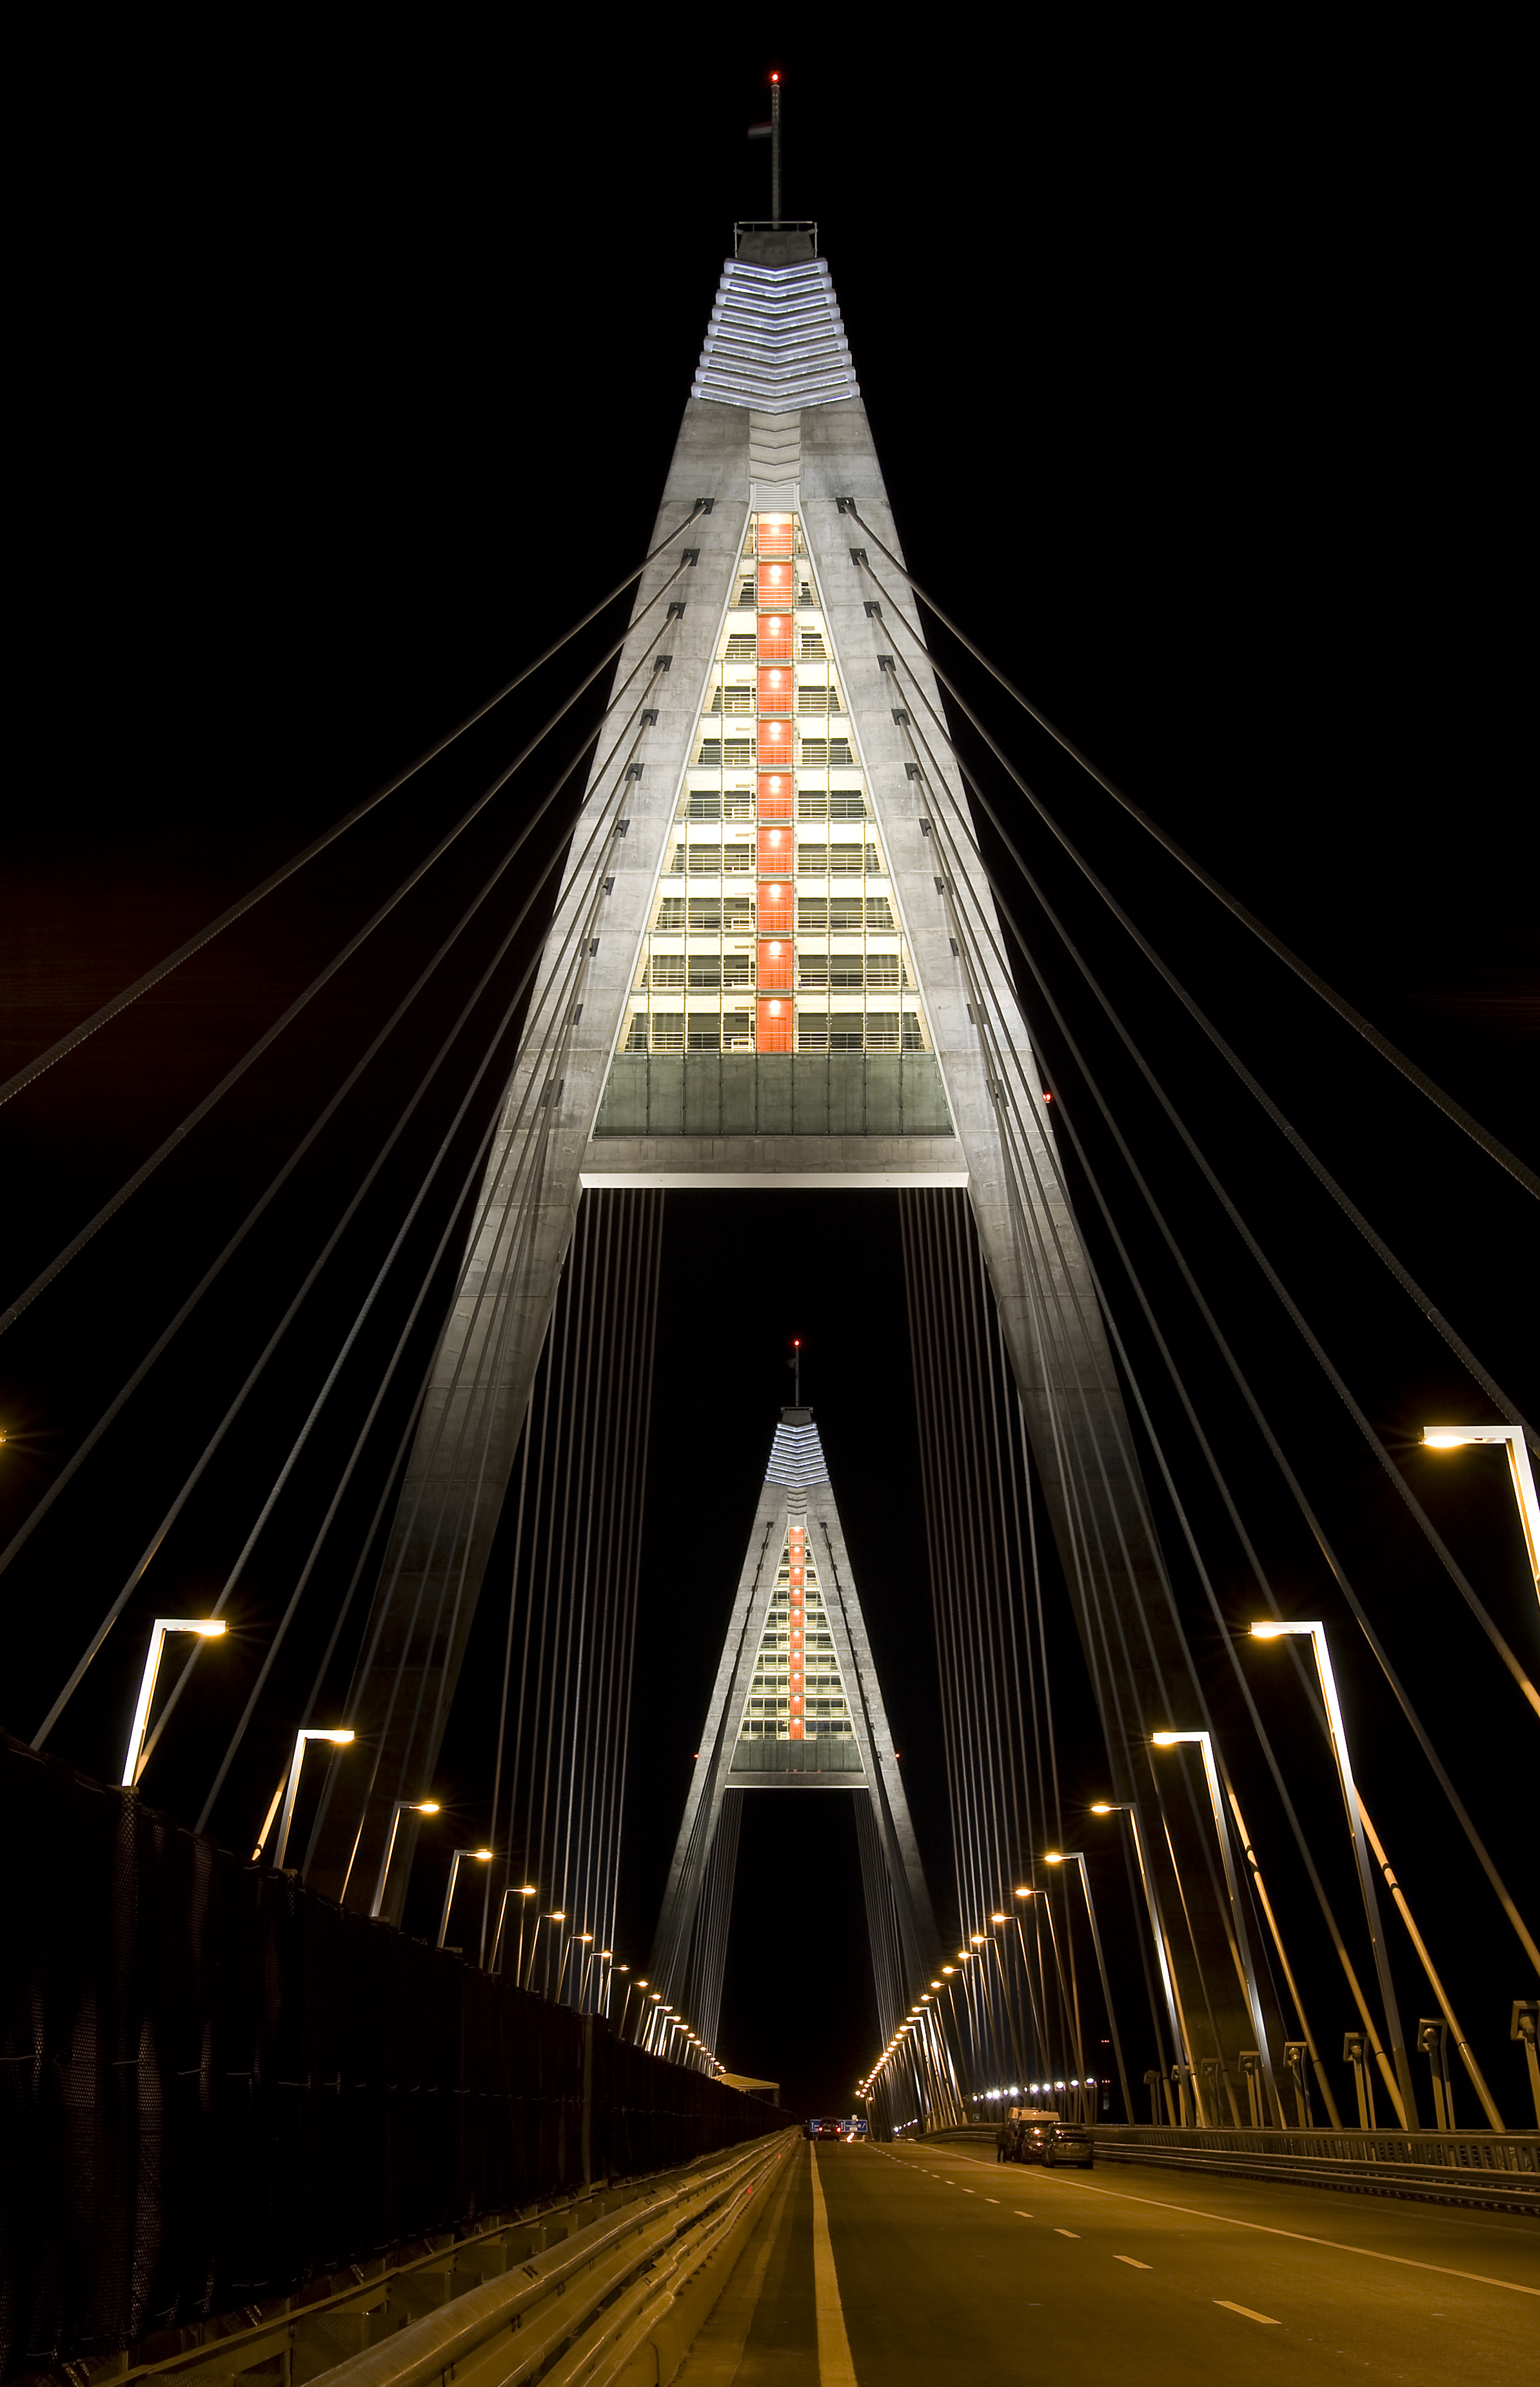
(356, 380)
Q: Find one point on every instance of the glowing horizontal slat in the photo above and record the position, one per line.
(775, 341)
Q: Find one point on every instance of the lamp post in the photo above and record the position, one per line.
(210, 1628)
(579, 1939)
(1399, 2083)
(1077, 1856)
(402, 1807)
(1181, 2045)
(1249, 1853)
(481, 1856)
(523, 1891)
(557, 1915)
(1240, 1938)
(290, 1791)
(1456, 1437)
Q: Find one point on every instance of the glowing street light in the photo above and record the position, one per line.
(1077, 1856)
(210, 1628)
(1400, 2085)
(290, 1791)
(1180, 2041)
(1240, 1940)
(1456, 1437)
(479, 1856)
(402, 1807)
(523, 1890)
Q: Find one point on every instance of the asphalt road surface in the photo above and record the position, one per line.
(922, 2267)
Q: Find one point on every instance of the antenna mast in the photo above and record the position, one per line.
(776, 151)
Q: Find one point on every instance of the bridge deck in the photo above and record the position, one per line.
(953, 2270)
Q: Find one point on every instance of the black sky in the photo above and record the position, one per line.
(354, 374)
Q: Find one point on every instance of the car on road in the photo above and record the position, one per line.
(1069, 2143)
(825, 2130)
(1024, 2133)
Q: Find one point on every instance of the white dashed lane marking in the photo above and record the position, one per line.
(1132, 2261)
(1064, 2233)
(1246, 2313)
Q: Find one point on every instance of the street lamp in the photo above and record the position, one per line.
(290, 1791)
(557, 1915)
(1400, 2083)
(1077, 1856)
(524, 1890)
(1240, 1938)
(402, 1807)
(1180, 2043)
(1456, 1437)
(481, 1856)
(210, 1628)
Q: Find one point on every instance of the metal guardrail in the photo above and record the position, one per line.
(1497, 2170)
(1479, 2167)
(1517, 2151)
(390, 2324)
(594, 2303)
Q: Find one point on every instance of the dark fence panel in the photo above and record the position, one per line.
(216, 2085)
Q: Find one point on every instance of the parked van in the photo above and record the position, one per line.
(1024, 2133)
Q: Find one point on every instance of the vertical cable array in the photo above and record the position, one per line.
(569, 1638)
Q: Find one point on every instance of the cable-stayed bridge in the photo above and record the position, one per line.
(778, 921)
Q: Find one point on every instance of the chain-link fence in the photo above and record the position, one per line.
(217, 2085)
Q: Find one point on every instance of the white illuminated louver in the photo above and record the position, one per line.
(776, 340)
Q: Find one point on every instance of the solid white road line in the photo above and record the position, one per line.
(834, 2366)
(1246, 2313)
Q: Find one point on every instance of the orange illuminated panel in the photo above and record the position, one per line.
(776, 585)
(775, 743)
(797, 1553)
(775, 638)
(775, 1036)
(774, 534)
(775, 955)
(777, 688)
(774, 849)
(776, 903)
(774, 795)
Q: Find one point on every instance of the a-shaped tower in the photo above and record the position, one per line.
(796, 1705)
(759, 977)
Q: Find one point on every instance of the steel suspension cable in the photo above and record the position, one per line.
(125, 1392)
(117, 1605)
(1291, 1135)
(976, 977)
(1338, 1382)
(1291, 1479)
(349, 1343)
(152, 978)
(1265, 1743)
(1453, 1111)
(269, 1035)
